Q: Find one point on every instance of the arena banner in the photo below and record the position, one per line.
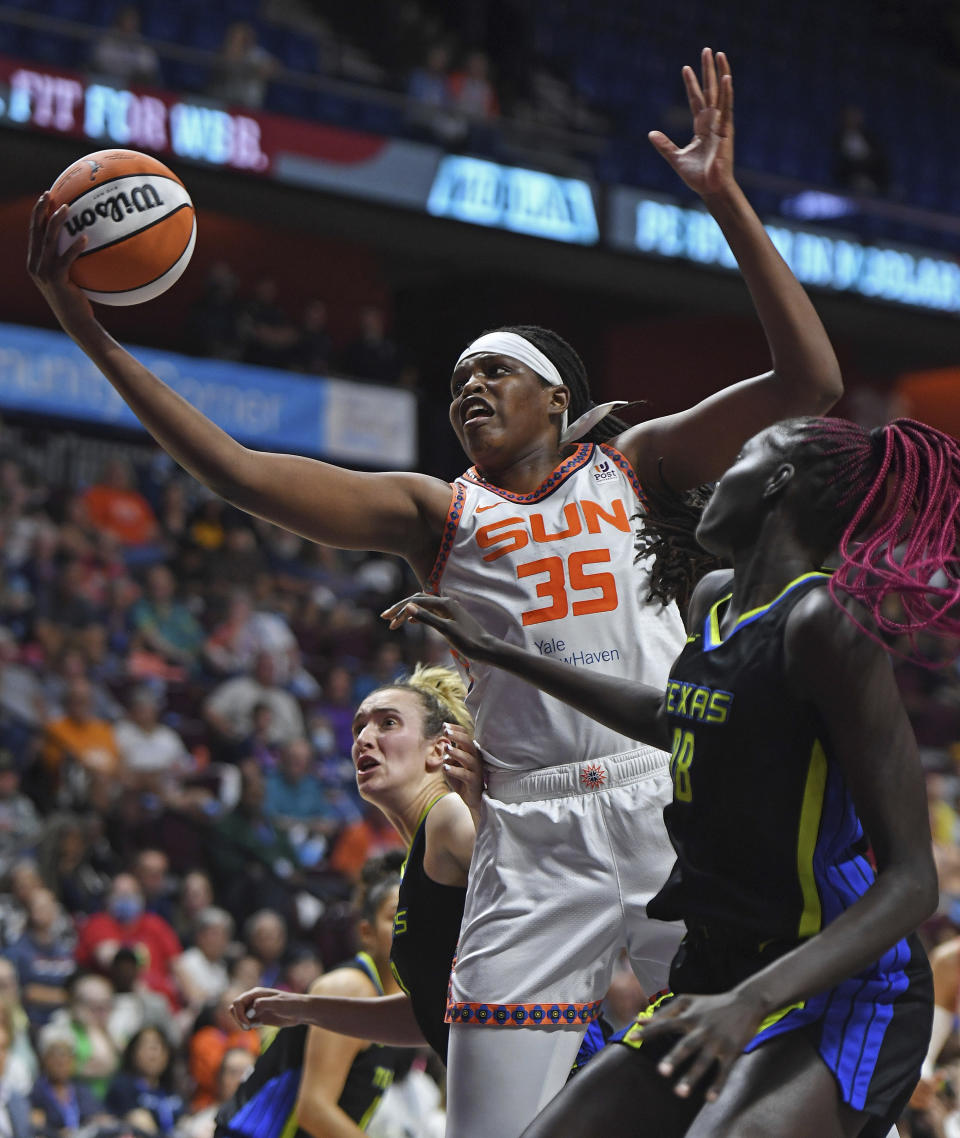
(100, 114)
(44, 373)
(510, 197)
(638, 222)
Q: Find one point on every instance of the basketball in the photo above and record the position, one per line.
(138, 219)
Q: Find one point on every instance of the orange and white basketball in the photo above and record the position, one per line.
(138, 219)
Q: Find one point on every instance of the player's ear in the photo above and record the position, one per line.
(436, 754)
(559, 399)
(779, 480)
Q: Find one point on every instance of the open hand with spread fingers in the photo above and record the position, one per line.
(448, 617)
(706, 163)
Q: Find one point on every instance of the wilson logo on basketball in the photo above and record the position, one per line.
(116, 208)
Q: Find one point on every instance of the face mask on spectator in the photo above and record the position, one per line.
(126, 909)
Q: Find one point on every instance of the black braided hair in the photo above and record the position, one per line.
(666, 533)
(574, 375)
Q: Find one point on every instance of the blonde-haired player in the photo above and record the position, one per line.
(410, 738)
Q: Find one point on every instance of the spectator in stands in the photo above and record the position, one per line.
(236, 1065)
(265, 934)
(72, 664)
(359, 841)
(234, 645)
(20, 1071)
(235, 563)
(43, 957)
(257, 745)
(79, 750)
(210, 1044)
(431, 110)
(150, 751)
(123, 54)
(302, 967)
(337, 708)
(145, 1081)
(87, 1017)
(59, 1102)
(19, 825)
(116, 507)
(164, 625)
(214, 322)
(126, 923)
(76, 865)
(252, 856)
(201, 971)
(14, 1106)
(151, 868)
(268, 334)
(471, 88)
(859, 162)
(242, 69)
(22, 882)
(387, 667)
(196, 894)
(229, 708)
(296, 800)
(21, 693)
(313, 351)
(134, 1005)
(372, 355)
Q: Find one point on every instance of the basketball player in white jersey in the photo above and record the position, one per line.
(535, 538)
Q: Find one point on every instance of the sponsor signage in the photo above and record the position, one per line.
(44, 373)
(510, 197)
(643, 223)
(473, 190)
(110, 116)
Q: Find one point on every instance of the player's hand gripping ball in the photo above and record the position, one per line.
(138, 219)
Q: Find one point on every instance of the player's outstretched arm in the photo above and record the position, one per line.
(699, 444)
(384, 1019)
(396, 513)
(633, 709)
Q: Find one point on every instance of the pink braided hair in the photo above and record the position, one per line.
(903, 538)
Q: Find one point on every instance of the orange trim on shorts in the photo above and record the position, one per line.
(522, 1015)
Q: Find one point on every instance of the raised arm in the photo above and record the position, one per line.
(699, 444)
(396, 513)
(633, 709)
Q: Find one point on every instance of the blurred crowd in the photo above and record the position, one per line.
(178, 812)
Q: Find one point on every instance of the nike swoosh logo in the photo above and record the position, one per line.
(480, 509)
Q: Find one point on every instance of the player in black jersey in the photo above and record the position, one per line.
(310, 1082)
(410, 739)
(801, 998)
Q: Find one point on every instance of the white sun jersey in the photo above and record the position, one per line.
(553, 571)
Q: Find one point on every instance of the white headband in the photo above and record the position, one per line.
(519, 348)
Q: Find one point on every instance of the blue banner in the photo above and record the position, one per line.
(46, 373)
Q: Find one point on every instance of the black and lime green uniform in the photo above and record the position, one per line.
(770, 850)
(265, 1104)
(425, 934)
